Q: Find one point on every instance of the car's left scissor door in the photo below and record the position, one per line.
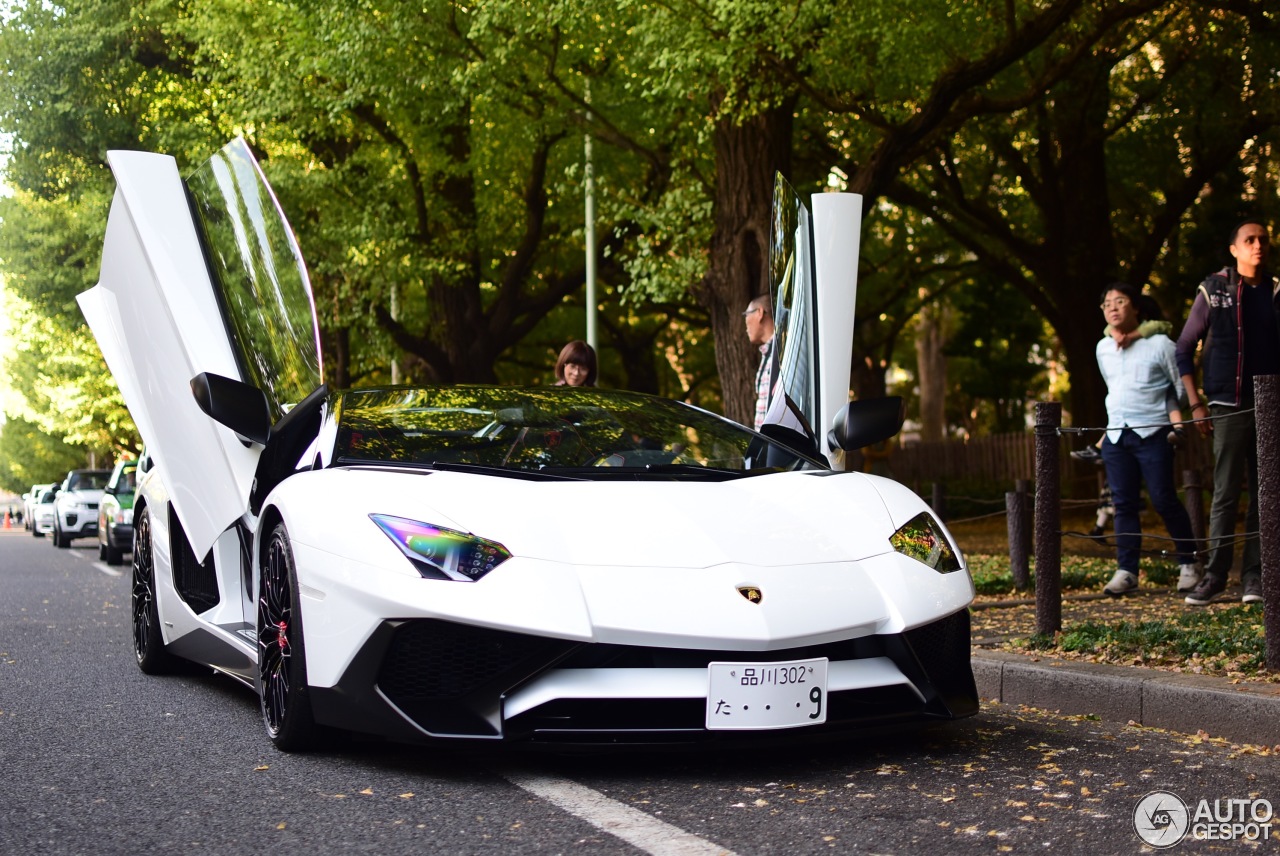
(201, 276)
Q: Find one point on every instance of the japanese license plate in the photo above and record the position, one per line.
(745, 696)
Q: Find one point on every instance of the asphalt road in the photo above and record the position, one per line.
(96, 757)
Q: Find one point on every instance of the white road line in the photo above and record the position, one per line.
(630, 824)
(109, 571)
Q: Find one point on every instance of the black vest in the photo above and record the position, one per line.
(1224, 342)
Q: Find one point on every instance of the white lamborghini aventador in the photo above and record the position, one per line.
(503, 564)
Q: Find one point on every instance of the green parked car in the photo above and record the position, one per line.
(115, 514)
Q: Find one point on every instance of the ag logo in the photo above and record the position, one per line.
(1161, 819)
(751, 593)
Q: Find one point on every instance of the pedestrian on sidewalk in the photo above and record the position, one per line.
(1235, 312)
(1136, 448)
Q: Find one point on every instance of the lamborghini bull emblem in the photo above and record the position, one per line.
(751, 593)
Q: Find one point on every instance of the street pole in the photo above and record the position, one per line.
(395, 316)
(590, 217)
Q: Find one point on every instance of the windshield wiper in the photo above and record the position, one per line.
(640, 471)
(509, 472)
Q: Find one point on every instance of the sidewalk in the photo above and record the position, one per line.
(1239, 711)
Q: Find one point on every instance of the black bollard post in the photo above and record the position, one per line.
(1015, 504)
(1266, 396)
(939, 504)
(1023, 486)
(1048, 517)
(1193, 499)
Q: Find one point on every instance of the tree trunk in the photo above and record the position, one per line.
(931, 368)
(747, 156)
(337, 355)
(1080, 257)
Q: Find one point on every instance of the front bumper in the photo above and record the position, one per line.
(120, 536)
(78, 523)
(422, 679)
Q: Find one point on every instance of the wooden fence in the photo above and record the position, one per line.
(1002, 459)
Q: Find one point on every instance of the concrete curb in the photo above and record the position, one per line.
(1241, 713)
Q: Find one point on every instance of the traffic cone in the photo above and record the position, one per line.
(8, 519)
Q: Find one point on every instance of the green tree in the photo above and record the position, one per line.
(29, 455)
(1094, 182)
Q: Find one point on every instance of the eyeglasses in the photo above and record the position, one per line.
(754, 309)
(1117, 303)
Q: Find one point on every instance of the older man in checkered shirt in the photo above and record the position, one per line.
(759, 318)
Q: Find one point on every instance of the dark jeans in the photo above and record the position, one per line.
(1129, 463)
(1235, 463)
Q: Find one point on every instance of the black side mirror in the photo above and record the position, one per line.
(865, 423)
(235, 404)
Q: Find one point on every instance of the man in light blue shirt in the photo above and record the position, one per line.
(1135, 450)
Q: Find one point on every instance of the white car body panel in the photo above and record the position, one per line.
(600, 576)
(165, 318)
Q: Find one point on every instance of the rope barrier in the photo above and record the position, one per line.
(1060, 430)
(1001, 513)
(1110, 541)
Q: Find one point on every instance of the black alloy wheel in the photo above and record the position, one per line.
(282, 670)
(148, 645)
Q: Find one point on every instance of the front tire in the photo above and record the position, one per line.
(148, 644)
(59, 540)
(282, 667)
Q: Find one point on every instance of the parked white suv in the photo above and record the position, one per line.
(76, 508)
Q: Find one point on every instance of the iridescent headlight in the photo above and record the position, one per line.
(442, 554)
(921, 538)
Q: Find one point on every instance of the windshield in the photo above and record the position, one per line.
(125, 480)
(549, 430)
(95, 480)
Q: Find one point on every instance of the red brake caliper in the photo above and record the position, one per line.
(281, 639)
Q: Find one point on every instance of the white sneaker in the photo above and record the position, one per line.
(1188, 577)
(1122, 583)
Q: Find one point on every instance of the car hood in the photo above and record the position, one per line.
(80, 495)
(773, 520)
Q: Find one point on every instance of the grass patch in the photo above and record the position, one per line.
(1227, 641)
(991, 573)
(1231, 636)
